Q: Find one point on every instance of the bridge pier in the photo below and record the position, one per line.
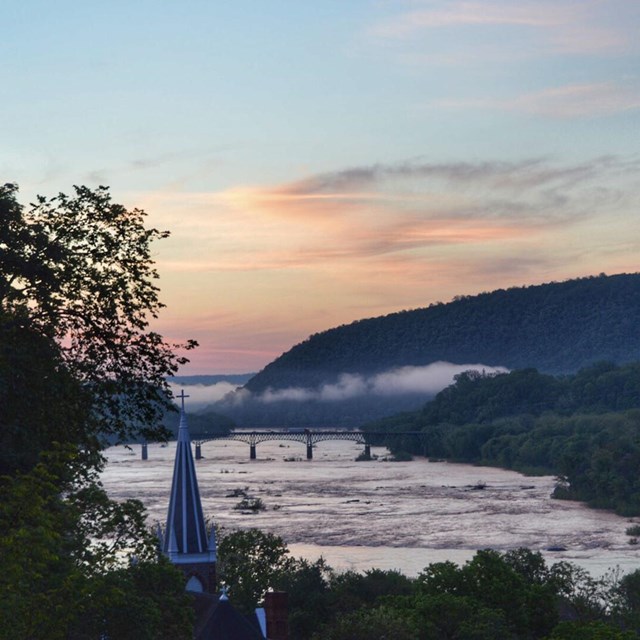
(309, 452)
(252, 452)
(145, 451)
(367, 451)
(198, 451)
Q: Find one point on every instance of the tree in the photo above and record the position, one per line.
(78, 270)
(146, 601)
(39, 581)
(590, 631)
(311, 599)
(369, 624)
(517, 585)
(444, 616)
(353, 590)
(41, 402)
(249, 562)
(65, 550)
(78, 364)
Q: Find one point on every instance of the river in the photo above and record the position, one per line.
(389, 515)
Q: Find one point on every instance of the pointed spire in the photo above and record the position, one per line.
(185, 532)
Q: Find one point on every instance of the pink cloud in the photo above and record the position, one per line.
(362, 213)
(579, 100)
(462, 13)
(568, 101)
(564, 26)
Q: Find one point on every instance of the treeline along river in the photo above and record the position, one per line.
(379, 513)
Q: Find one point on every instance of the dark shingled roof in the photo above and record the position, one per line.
(216, 619)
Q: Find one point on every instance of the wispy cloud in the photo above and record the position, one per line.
(383, 210)
(532, 172)
(579, 100)
(563, 102)
(424, 197)
(466, 13)
(562, 26)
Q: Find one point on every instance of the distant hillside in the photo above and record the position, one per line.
(372, 368)
(556, 328)
(234, 378)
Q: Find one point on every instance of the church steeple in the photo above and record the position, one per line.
(185, 539)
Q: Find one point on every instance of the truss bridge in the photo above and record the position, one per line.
(307, 437)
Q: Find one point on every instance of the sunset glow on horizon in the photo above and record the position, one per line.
(320, 163)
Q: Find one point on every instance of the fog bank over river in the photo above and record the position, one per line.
(401, 515)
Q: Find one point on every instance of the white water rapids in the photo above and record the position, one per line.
(390, 515)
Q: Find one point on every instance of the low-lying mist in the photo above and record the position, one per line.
(348, 401)
(425, 380)
(202, 395)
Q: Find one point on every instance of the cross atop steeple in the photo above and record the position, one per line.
(182, 396)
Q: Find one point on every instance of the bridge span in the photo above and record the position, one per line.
(307, 437)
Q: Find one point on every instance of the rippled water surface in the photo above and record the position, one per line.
(359, 515)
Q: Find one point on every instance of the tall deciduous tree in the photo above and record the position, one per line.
(78, 270)
(78, 363)
(250, 562)
(40, 400)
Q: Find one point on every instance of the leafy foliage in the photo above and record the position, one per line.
(584, 428)
(63, 551)
(590, 631)
(512, 596)
(78, 270)
(42, 403)
(380, 623)
(311, 596)
(146, 601)
(518, 587)
(249, 562)
(78, 365)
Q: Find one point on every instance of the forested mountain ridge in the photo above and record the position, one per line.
(558, 327)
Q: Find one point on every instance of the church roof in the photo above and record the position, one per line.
(185, 532)
(217, 619)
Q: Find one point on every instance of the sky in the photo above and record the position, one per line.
(323, 162)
